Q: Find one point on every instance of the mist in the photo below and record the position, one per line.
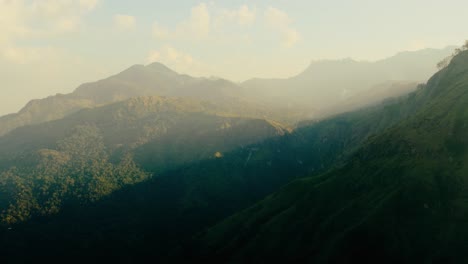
(225, 132)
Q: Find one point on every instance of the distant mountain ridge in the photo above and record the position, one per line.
(311, 94)
(331, 82)
(138, 80)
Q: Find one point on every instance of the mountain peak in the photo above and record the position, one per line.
(160, 67)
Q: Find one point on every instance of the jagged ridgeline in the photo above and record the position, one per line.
(401, 198)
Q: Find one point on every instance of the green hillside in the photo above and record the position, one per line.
(149, 176)
(158, 216)
(401, 198)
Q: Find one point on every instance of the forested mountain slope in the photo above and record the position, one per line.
(160, 215)
(400, 198)
(90, 154)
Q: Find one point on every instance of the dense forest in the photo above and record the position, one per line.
(78, 171)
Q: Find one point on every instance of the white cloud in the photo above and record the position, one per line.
(51, 9)
(245, 16)
(199, 23)
(22, 55)
(180, 61)
(197, 26)
(171, 56)
(88, 4)
(58, 16)
(276, 18)
(290, 37)
(68, 24)
(416, 44)
(222, 25)
(175, 55)
(34, 19)
(206, 21)
(280, 22)
(160, 32)
(124, 22)
(153, 56)
(29, 19)
(11, 21)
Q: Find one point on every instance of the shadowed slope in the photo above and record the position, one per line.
(400, 198)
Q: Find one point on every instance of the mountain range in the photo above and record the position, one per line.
(152, 163)
(329, 83)
(323, 86)
(152, 80)
(187, 199)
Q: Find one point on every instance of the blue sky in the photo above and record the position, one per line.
(51, 46)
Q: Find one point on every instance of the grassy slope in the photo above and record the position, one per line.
(400, 198)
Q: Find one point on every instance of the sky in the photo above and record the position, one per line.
(52, 46)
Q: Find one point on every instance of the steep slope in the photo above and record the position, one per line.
(328, 83)
(400, 198)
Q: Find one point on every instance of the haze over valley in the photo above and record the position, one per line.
(233, 132)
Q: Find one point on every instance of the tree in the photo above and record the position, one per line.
(78, 171)
(446, 61)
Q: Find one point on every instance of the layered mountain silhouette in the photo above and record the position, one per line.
(175, 204)
(151, 80)
(331, 82)
(167, 211)
(311, 94)
(150, 162)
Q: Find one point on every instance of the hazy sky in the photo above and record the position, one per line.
(51, 46)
